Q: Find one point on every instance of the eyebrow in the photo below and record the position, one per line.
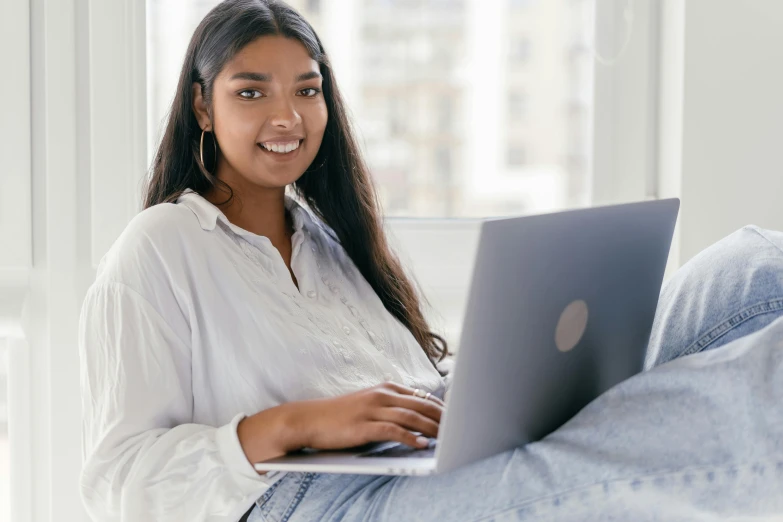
(265, 77)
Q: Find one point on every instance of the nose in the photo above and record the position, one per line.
(284, 114)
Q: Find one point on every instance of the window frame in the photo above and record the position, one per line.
(16, 256)
(15, 130)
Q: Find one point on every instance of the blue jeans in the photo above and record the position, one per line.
(697, 436)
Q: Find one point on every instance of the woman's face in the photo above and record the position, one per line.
(267, 100)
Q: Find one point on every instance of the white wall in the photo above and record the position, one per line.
(732, 119)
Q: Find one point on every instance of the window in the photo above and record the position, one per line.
(519, 50)
(421, 78)
(517, 155)
(517, 107)
(521, 3)
(463, 109)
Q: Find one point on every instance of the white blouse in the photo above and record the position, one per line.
(194, 323)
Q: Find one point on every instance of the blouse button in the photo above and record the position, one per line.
(336, 343)
(346, 330)
(311, 294)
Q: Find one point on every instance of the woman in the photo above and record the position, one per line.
(231, 323)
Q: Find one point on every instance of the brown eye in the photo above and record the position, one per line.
(311, 90)
(250, 94)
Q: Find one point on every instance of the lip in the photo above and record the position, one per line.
(276, 156)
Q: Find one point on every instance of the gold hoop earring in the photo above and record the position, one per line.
(201, 149)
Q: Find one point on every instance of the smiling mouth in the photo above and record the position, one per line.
(281, 148)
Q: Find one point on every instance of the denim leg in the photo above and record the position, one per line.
(727, 291)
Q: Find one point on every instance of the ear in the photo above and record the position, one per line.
(200, 108)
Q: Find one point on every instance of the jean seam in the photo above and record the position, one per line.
(303, 487)
(768, 240)
(732, 322)
(266, 496)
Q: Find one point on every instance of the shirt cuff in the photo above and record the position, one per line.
(234, 456)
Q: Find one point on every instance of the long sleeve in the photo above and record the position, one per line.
(144, 458)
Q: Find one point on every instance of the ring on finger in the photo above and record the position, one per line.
(419, 393)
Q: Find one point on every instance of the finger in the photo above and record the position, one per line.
(393, 394)
(427, 408)
(383, 431)
(408, 419)
(400, 388)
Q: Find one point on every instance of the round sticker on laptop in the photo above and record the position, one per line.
(571, 326)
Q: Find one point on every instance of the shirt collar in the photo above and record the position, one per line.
(208, 214)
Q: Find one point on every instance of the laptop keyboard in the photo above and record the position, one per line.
(403, 450)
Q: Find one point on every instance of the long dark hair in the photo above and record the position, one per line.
(337, 185)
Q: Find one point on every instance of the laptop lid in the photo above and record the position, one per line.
(560, 309)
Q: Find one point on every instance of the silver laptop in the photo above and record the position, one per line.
(560, 310)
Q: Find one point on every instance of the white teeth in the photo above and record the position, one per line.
(281, 148)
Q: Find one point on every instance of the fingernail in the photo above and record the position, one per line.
(421, 441)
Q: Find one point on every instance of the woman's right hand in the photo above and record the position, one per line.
(386, 412)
